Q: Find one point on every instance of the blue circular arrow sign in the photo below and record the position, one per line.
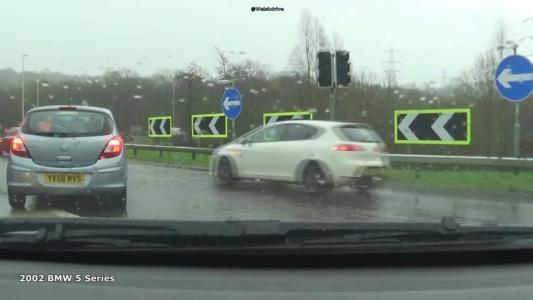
(514, 78)
(231, 103)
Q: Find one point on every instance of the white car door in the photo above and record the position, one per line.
(259, 153)
(296, 145)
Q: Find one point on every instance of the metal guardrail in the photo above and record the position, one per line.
(480, 161)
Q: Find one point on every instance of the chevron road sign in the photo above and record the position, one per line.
(159, 126)
(269, 118)
(209, 126)
(432, 126)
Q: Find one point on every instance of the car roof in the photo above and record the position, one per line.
(78, 107)
(320, 123)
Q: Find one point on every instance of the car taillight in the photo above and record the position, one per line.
(18, 148)
(113, 148)
(346, 147)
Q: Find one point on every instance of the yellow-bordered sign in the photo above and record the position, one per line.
(269, 118)
(433, 126)
(209, 126)
(159, 127)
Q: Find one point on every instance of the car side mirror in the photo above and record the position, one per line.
(246, 142)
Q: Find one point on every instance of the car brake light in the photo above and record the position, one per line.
(113, 148)
(346, 147)
(18, 148)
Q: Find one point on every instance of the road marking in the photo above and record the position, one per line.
(62, 213)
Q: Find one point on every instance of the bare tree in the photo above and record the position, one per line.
(223, 64)
(312, 38)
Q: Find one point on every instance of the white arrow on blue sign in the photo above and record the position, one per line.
(514, 78)
(231, 103)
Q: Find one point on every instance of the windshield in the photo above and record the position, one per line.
(320, 112)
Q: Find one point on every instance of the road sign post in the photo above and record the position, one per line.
(160, 127)
(514, 82)
(432, 126)
(231, 103)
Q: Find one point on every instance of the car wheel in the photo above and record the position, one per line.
(314, 180)
(225, 172)
(17, 201)
(363, 184)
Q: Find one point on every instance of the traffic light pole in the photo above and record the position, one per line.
(333, 96)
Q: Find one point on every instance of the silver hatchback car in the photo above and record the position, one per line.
(69, 151)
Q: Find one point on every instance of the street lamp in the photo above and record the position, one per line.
(23, 60)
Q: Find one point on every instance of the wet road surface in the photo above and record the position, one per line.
(171, 193)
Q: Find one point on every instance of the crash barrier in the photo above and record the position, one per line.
(407, 160)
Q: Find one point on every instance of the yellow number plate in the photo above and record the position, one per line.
(75, 179)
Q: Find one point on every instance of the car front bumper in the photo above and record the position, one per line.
(109, 177)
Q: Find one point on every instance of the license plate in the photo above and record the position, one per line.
(74, 179)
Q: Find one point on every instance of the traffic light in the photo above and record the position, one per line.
(324, 69)
(342, 64)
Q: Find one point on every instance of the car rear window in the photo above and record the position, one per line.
(358, 133)
(67, 123)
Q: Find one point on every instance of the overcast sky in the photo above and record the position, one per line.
(432, 38)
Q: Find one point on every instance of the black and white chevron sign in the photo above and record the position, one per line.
(159, 126)
(209, 125)
(432, 126)
(269, 118)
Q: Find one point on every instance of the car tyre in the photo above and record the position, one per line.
(363, 184)
(225, 172)
(16, 201)
(314, 180)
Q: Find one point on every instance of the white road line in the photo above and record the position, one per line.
(62, 213)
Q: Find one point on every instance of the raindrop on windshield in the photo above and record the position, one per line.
(50, 96)
(12, 97)
(137, 96)
(471, 105)
(210, 84)
(410, 102)
(252, 125)
(204, 98)
(139, 87)
(277, 100)
(364, 113)
(263, 90)
(88, 81)
(453, 103)
(181, 100)
(313, 110)
(326, 110)
(104, 85)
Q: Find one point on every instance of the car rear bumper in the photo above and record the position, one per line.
(29, 179)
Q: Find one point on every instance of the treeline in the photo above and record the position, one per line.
(134, 98)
